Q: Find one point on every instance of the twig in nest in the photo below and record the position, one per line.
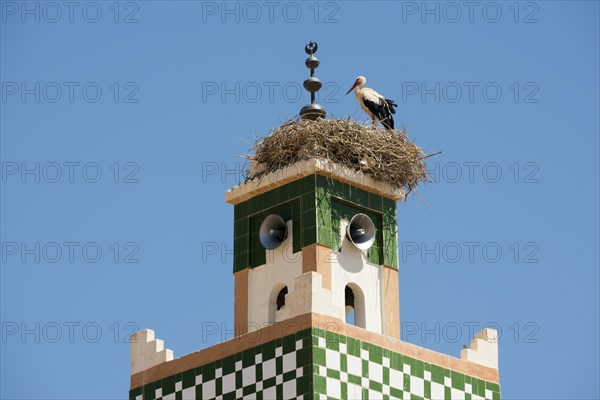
(393, 158)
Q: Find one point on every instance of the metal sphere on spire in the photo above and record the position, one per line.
(312, 111)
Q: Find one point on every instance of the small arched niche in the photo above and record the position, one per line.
(354, 305)
(280, 302)
(277, 300)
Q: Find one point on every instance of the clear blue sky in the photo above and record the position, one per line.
(527, 109)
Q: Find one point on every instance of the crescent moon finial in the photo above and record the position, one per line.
(311, 48)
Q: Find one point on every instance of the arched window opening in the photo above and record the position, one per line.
(281, 298)
(355, 305)
(276, 300)
(350, 316)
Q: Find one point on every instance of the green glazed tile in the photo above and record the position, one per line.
(458, 381)
(240, 210)
(494, 387)
(319, 383)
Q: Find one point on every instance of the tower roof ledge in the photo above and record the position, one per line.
(325, 167)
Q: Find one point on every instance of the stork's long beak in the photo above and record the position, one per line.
(352, 88)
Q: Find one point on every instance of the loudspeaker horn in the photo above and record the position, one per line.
(273, 231)
(361, 231)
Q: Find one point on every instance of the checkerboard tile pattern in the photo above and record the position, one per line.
(317, 364)
(276, 370)
(346, 368)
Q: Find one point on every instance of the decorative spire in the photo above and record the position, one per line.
(313, 110)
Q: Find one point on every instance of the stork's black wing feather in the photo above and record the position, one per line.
(391, 105)
(383, 112)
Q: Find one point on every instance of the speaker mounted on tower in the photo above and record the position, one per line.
(273, 231)
(361, 231)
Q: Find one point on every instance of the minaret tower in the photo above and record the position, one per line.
(316, 237)
(316, 309)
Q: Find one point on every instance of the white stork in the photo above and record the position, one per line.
(375, 105)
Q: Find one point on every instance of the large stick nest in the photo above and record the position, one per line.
(388, 156)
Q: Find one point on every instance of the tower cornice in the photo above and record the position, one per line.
(272, 180)
(300, 323)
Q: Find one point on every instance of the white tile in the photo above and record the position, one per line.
(158, 393)
(279, 379)
(447, 381)
(437, 391)
(364, 354)
(270, 393)
(488, 394)
(289, 361)
(208, 389)
(289, 389)
(364, 382)
(321, 342)
(456, 394)
(258, 358)
(332, 359)
(375, 372)
(298, 344)
(169, 397)
(178, 386)
(344, 376)
(354, 365)
(229, 383)
(343, 348)
(468, 388)
(406, 368)
(476, 397)
(139, 397)
(238, 393)
(198, 379)
(249, 376)
(386, 390)
(427, 375)
(406, 395)
(268, 369)
(374, 395)
(299, 372)
(278, 351)
(396, 379)
(189, 393)
(334, 388)
(386, 362)
(354, 391)
(417, 386)
(259, 386)
(218, 372)
(238, 365)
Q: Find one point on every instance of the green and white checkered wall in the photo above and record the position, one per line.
(347, 368)
(317, 364)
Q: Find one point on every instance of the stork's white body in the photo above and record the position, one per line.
(373, 104)
(362, 94)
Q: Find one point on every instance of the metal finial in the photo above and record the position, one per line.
(311, 48)
(313, 110)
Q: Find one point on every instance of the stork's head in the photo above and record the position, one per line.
(360, 81)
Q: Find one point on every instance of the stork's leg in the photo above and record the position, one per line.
(374, 123)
